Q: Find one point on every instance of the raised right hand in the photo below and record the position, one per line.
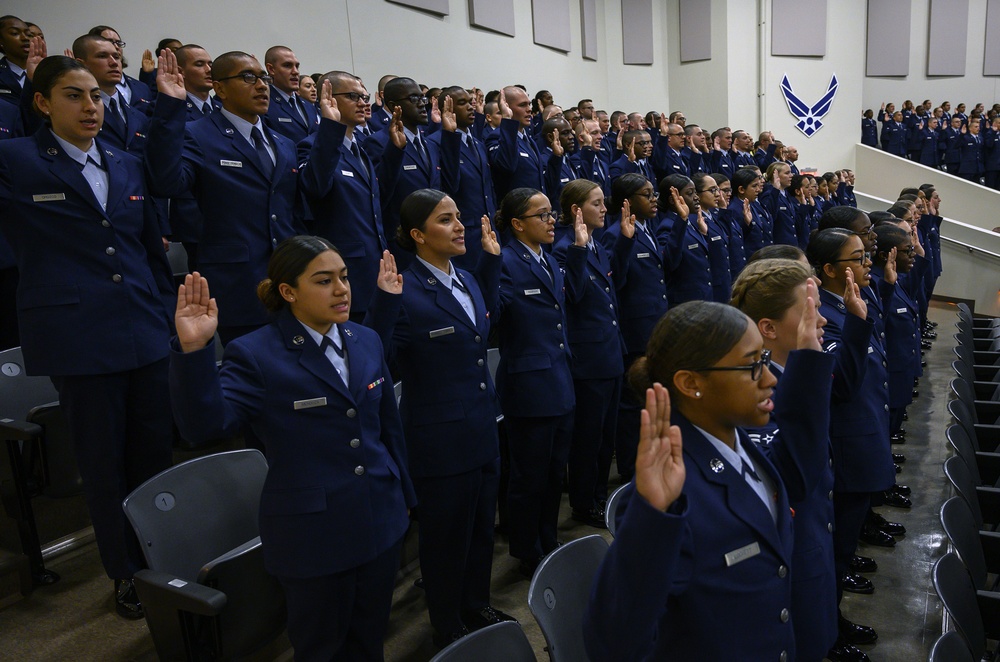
(328, 103)
(197, 315)
(852, 298)
(169, 79)
(659, 462)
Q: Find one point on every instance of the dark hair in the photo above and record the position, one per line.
(576, 193)
(720, 178)
(743, 178)
(877, 217)
(797, 182)
(394, 88)
(287, 263)
(898, 210)
(98, 29)
(909, 191)
(839, 217)
(164, 43)
(48, 73)
(183, 53)
(777, 252)
(512, 206)
(625, 187)
(889, 236)
(225, 64)
(83, 44)
(699, 178)
(824, 247)
(413, 214)
(676, 181)
(693, 335)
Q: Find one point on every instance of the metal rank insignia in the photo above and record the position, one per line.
(716, 465)
(298, 340)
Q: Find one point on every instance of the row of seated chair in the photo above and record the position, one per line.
(967, 578)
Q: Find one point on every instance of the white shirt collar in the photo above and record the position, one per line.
(445, 278)
(77, 154)
(333, 334)
(537, 256)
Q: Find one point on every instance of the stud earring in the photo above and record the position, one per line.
(697, 394)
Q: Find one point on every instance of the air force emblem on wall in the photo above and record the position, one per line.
(810, 118)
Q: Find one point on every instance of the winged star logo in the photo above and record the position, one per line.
(810, 118)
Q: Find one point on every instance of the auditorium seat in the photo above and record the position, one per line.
(500, 642)
(976, 614)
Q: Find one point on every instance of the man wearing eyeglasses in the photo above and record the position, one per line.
(667, 157)
(243, 175)
(405, 160)
(340, 185)
(287, 113)
(136, 93)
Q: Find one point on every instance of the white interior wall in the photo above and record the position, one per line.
(970, 89)
(374, 37)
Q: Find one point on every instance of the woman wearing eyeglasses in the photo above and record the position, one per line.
(707, 529)
(533, 379)
(642, 297)
(859, 416)
(694, 253)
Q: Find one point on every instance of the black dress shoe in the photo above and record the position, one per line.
(930, 335)
(873, 535)
(892, 528)
(444, 640)
(857, 584)
(925, 344)
(127, 600)
(901, 489)
(852, 633)
(478, 619)
(593, 517)
(906, 416)
(916, 393)
(842, 652)
(862, 564)
(898, 458)
(898, 468)
(923, 364)
(897, 438)
(897, 500)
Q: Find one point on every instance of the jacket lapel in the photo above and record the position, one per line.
(741, 500)
(362, 364)
(67, 169)
(116, 177)
(240, 144)
(443, 298)
(310, 356)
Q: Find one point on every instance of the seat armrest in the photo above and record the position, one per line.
(19, 430)
(167, 590)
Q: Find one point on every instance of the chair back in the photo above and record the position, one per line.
(959, 524)
(559, 594)
(964, 418)
(500, 642)
(958, 474)
(958, 594)
(950, 647)
(197, 511)
(963, 391)
(19, 393)
(959, 440)
(611, 509)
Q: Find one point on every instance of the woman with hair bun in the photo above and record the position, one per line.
(314, 387)
(534, 380)
(706, 531)
(434, 320)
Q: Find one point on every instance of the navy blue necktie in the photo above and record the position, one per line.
(265, 159)
(113, 119)
(327, 342)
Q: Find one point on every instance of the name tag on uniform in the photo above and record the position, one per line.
(48, 197)
(2, 91)
(742, 554)
(284, 119)
(525, 155)
(347, 173)
(901, 310)
(437, 333)
(309, 404)
(677, 167)
(692, 247)
(871, 349)
(231, 164)
(717, 238)
(564, 180)
(532, 292)
(409, 167)
(640, 256)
